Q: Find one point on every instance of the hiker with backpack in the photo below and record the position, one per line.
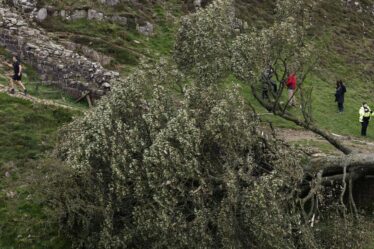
(17, 75)
(365, 116)
(339, 95)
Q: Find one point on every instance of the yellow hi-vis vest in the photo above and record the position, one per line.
(365, 112)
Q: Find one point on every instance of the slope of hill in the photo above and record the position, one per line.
(343, 32)
(347, 44)
(127, 32)
(28, 131)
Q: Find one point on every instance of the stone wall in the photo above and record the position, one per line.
(126, 20)
(55, 63)
(30, 9)
(25, 6)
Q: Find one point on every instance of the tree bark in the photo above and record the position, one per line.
(331, 165)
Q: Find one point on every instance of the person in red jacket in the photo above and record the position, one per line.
(291, 86)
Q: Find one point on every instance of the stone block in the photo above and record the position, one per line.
(42, 14)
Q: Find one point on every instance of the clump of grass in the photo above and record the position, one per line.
(26, 220)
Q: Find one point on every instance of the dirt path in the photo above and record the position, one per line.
(4, 89)
(47, 102)
(301, 136)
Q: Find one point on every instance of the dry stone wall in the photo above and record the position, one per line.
(56, 64)
(30, 9)
(25, 6)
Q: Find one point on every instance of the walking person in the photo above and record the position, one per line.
(339, 95)
(365, 115)
(267, 82)
(17, 75)
(291, 86)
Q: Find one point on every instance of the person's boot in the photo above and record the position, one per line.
(12, 91)
(25, 92)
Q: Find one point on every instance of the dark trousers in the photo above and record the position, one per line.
(265, 94)
(265, 88)
(341, 106)
(364, 126)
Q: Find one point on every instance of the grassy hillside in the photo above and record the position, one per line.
(29, 130)
(345, 43)
(344, 35)
(124, 44)
(33, 83)
(26, 129)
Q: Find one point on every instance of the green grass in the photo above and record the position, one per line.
(344, 39)
(108, 38)
(34, 86)
(325, 111)
(38, 90)
(323, 146)
(27, 131)
(24, 220)
(124, 44)
(371, 245)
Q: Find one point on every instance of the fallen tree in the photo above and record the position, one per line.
(152, 168)
(148, 169)
(284, 46)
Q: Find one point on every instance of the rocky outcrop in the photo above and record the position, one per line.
(30, 9)
(42, 14)
(90, 14)
(25, 6)
(55, 63)
(146, 29)
(88, 52)
(79, 14)
(94, 15)
(110, 2)
(193, 5)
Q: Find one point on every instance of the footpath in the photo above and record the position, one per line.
(318, 145)
(36, 100)
(4, 89)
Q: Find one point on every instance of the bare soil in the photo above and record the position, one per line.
(295, 136)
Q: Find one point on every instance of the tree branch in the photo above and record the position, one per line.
(287, 116)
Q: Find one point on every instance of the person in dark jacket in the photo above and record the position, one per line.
(17, 76)
(339, 95)
(268, 83)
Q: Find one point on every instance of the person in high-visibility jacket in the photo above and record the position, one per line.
(365, 115)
